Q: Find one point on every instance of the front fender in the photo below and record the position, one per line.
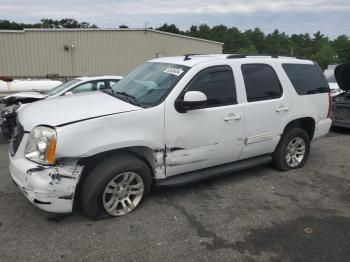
(86, 138)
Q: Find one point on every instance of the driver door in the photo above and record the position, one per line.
(210, 135)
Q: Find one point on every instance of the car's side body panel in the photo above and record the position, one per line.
(201, 138)
(264, 123)
(140, 128)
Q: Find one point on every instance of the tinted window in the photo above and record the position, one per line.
(261, 82)
(217, 84)
(306, 79)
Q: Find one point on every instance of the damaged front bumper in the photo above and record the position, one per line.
(7, 125)
(50, 188)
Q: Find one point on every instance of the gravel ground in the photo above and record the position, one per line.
(257, 215)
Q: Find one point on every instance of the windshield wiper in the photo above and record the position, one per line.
(130, 98)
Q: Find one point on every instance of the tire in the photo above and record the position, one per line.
(282, 153)
(101, 180)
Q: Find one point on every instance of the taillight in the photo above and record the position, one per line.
(329, 105)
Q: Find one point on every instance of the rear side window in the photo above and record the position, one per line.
(306, 79)
(261, 82)
(217, 84)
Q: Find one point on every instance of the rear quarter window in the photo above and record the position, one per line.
(306, 79)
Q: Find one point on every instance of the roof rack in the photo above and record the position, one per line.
(187, 56)
(253, 55)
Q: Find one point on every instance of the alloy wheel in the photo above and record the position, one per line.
(123, 193)
(295, 152)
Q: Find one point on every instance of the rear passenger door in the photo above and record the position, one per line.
(210, 135)
(267, 109)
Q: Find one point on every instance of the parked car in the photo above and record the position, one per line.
(170, 122)
(77, 85)
(335, 90)
(9, 85)
(333, 85)
(341, 102)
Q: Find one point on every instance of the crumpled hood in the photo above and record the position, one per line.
(342, 75)
(66, 109)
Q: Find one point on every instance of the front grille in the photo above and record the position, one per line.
(16, 139)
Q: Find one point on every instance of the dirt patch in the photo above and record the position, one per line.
(303, 239)
(345, 198)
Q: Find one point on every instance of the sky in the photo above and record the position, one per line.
(331, 17)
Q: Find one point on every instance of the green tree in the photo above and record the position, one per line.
(65, 23)
(250, 50)
(341, 46)
(169, 28)
(324, 56)
(9, 25)
(257, 37)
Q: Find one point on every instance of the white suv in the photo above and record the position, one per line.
(169, 122)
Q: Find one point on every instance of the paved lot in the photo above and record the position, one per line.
(256, 215)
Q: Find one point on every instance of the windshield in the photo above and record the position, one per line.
(61, 87)
(149, 83)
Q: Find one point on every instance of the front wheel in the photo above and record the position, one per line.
(293, 150)
(123, 193)
(115, 186)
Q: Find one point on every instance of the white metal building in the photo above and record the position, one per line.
(37, 53)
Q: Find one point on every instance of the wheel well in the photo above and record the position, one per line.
(144, 153)
(306, 123)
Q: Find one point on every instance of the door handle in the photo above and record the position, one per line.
(232, 117)
(282, 108)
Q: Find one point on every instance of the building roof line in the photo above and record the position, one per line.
(107, 29)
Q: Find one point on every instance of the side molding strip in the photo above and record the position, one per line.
(258, 138)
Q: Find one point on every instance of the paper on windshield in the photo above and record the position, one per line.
(173, 71)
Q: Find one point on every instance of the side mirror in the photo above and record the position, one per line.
(68, 93)
(192, 100)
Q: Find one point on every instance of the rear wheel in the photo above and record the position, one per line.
(293, 150)
(115, 187)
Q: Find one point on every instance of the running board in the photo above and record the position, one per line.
(203, 174)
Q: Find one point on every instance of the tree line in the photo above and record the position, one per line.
(46, 23)
(316, 47)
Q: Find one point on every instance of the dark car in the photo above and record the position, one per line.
(341, 102)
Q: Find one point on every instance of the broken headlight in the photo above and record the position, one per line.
(41, 145)
(9, 110)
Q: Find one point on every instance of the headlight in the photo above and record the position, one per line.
(9, 110)
(41, 145)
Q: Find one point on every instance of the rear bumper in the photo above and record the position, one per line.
(50, 188)
(322, 128)
(338, 123)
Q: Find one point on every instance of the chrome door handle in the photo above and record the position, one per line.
(282, 108)
(232, 117)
